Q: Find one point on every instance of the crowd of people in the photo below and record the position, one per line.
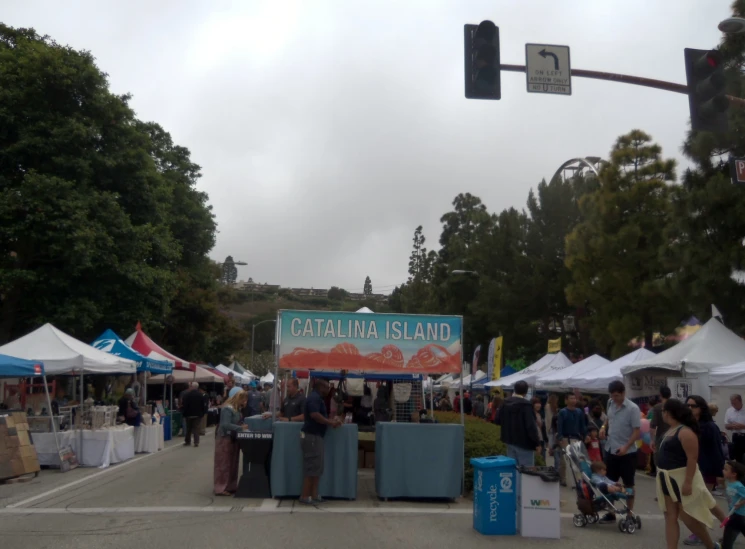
(692, 459)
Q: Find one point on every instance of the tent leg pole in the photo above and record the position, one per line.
(51, 413)
(80, 417)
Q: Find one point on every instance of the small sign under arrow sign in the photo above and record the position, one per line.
(547, 69)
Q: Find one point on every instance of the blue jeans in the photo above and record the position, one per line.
(521, 455)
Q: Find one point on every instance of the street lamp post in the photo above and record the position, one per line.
(253, 333)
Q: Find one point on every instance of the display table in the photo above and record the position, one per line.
(339, 479)
(418, 460)
(149, 439)
(100, 448)
(257, 423)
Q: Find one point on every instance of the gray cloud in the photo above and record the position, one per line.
(327, 131)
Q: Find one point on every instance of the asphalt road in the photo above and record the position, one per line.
(166, 500)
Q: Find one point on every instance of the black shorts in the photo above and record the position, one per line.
(622, 468)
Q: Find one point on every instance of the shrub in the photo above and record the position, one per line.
(482, 439)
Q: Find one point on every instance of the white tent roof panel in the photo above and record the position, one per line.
(63, 354)
(711, 347)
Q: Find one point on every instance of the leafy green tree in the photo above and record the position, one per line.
(615, 253)
(229, 273)
(367, 289)
(84, 235)
(706, 235)
(337, 294)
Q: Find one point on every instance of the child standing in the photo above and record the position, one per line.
(593, 445)
(734, 473)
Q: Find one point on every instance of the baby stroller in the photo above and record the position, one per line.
(590, 500)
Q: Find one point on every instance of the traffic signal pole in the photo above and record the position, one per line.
(628, 79)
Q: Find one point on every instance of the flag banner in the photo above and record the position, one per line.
(496, 365)
(554, 345)
(490, 359)
(378, 342)
(475, 363)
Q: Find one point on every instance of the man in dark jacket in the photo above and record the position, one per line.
(519, 428)
(192, 406)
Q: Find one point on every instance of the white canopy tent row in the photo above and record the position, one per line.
(201, 375)
(564, 377)
(268, 378)
(597, 380)
(242, 379)
(63, 354)
(548, 364)
(475, 377)
(687, 366)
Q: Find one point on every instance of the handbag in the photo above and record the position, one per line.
(131, 412)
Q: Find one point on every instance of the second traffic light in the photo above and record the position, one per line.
(706, 90)
(482, 65)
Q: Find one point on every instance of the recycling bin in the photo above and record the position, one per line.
(495, 496)
(539, 503)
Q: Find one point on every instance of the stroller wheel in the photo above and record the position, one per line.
(579, 520)
(638, 522)
(630, 526)
(622, 525)
(593, 519)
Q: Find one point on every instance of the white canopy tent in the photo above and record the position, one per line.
(242, 379)
(268, 378)
(564, 378)
(547, 364)
(711, 347)
(202, 375)
(364, 310)
(478, 375)
(63, 354)
(728, 376)
(597, 380)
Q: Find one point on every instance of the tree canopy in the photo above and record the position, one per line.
(101, 222)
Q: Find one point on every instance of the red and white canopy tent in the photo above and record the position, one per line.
(141, 343)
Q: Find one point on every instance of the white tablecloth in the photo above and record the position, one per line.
(149, 439)
(100, 448)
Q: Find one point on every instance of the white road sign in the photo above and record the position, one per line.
(547, 69)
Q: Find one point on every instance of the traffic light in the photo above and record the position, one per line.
(706, 97)
(481, 45)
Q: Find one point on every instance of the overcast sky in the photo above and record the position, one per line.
(328, 130)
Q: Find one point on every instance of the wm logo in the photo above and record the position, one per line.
(540, 502)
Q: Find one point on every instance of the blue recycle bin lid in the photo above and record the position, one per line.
(493, 462)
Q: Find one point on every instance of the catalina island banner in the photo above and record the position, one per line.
(369, 342)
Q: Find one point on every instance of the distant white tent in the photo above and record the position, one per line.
(63, 354)
(477, 376)
(548, 363)
(365, 310)
(268, 378)
(202, 375)
(711, 347)
(242, 379)
(597, 380)
(564, 377)
(728, 376)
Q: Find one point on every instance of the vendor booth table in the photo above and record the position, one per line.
(100, 448)
(416, 460)
(149, 439)
(339, 479)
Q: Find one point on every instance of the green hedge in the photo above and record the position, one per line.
(481, 439)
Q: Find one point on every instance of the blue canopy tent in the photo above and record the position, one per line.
(111, 343)
(11, 366)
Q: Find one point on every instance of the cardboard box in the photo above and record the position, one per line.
(23, 438)
(11, 442)
(12, 431)
(6, 470)
(17, 467)
(9, 421)
(369, 460)
(22, 427)
(30, 465)
(360, 459)
(27, 451)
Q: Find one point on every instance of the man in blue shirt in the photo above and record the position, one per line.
(571, 425)
(312, 433)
